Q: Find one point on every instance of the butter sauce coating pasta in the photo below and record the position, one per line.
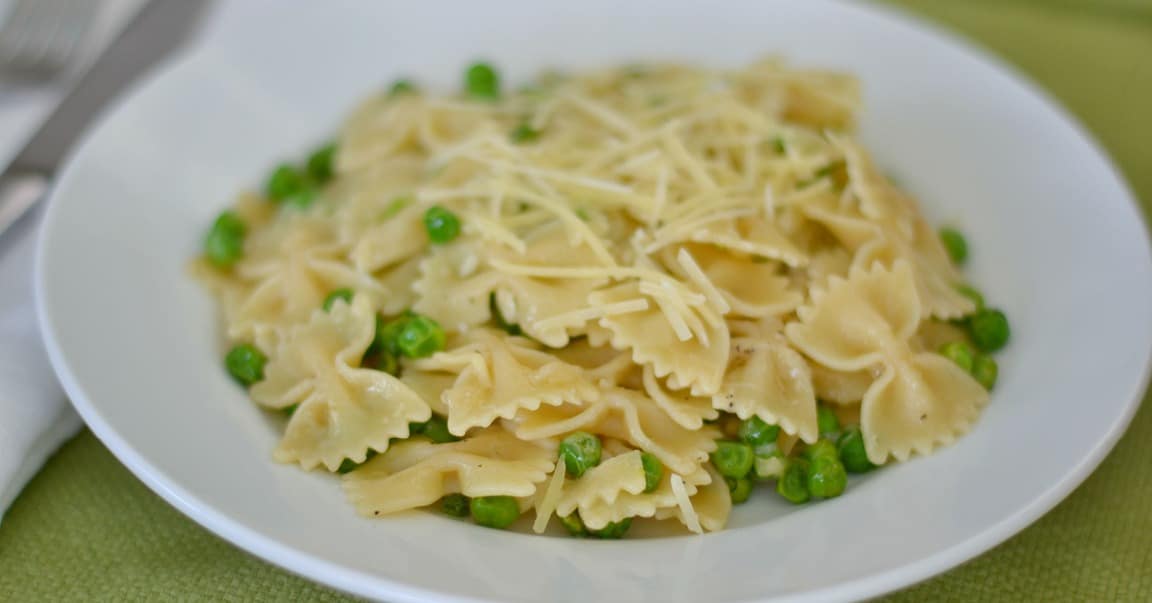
(604, 297)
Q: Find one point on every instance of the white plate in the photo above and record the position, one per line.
(1057, 243)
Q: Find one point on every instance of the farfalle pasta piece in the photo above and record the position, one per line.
(851, 229)
(686, 410)
(820, 99)
(343, 410)
(824, 265)
(603, 484)
(597, 513)
(626, 415)
(838, 386)
(879, 200)
(455, 268)
(511, 379)
(397, 282)
(294, 267)
(849, 324)
(751, 235)
(395, 235)
(923, 402)
(379, 129)
(753, 287)
(770, 380)
(887, 228)
(417, 472)
(602, 364)
(936, 277)
(542, 306)
(688, 363)
(919, 400)
(430, 386)
(706, 509)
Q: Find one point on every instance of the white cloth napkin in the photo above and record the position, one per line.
(35, 416)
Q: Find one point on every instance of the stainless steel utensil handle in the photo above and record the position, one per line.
(18, 192)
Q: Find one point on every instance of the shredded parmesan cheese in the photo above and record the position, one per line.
(697, 276)
(687, 512)
(579, 317)
(547, 505)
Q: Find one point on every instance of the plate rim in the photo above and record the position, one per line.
(321, 571)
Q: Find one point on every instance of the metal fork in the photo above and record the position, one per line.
(40, 38)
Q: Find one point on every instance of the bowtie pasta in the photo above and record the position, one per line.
(635, 294)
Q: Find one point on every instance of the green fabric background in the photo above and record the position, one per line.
(85, 529)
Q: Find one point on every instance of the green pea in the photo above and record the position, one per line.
(285, 182)
(972, 294)
(739, 488)
(826, 420)
(343, 293)
(653, 471)
(388, 334)
(985, 371)
(852, 452)
(756, 432)
(302, 199)
(495, 511)
(959, 352)
(583, 214)
(420, 337)
(524, 133)
(400, 87)
(320, 162)
(989, 330)
(733, 459)
(288, 411)
(246, 364)
(826, 477)
(442, 225)
(436, 429)
(793, 484)
(955, 244)
(580, 452)
(455, 505)
(612, 530)
(498, 317)
(349, 465)
(573, 524)
(779, 146)
(822, 448)
(381, 361)
(481, 82)
(224, 245)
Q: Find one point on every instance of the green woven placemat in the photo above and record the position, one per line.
(85, 529)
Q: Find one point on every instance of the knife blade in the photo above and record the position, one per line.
(157, 30)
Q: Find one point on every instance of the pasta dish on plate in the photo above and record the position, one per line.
(631, 294)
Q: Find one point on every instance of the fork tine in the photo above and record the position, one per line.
(41, 37)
